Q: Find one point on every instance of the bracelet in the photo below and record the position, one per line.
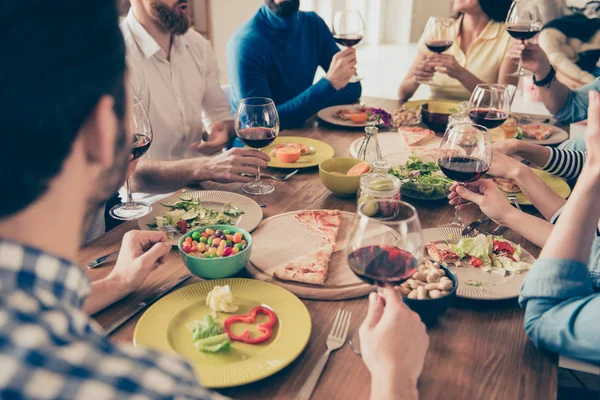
(547, 80)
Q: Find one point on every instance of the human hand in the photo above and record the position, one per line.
(486, 195)
(592, 133)
(532, 57)
(393, 344)
(504, 166)
(140, 253)
(507, 147)
(228, 166)
(215, 141)
(446, 64)
(424, 71)
(342, 68)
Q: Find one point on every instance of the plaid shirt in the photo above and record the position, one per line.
(51, 349)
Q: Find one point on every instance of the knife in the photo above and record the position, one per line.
(103, 259)
(145, 303)
(474, 225)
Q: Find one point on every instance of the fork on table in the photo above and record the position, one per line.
(276, 178)
(335, 340)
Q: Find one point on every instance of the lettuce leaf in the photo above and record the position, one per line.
(206, 328)
(480, 246)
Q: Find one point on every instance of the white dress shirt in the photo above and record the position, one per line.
(182, 94)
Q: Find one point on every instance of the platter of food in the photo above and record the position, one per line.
(407, 138)
(488, 267)
(312, 260)
(421, 178)
(349, 115)
(537, 133)
(558, 185)
(232, 331)
(311, 152)
(181, 212)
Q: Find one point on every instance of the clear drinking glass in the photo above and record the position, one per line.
(257, 126)
(385, 245)
(465, 155)
(348, 29)
(440, 35)
(142, 139)
(489, 105)
(524, 21)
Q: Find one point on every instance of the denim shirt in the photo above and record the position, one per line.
(576, 107)
(562, 311)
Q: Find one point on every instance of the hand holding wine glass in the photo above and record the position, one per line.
(257, 126)
(440, 35)
(489, 105)
(348, 29)
(523, 22)
(465, 154)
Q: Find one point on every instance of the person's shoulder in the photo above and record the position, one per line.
(195, 39)
(249, 33)
(314, 19)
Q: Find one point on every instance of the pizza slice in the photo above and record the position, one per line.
(538, 132)
(309, 268)
(507, 185)
(442, 253)
(414, 136)
(326, 223)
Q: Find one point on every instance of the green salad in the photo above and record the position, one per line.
(187, 213)
(491, 253)
(422, 179)
(208, 335)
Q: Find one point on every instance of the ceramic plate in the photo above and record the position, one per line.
(162, 327)
(210, 199)
(559, 185)
(392, 143)
(558, 136)
(473, 282)
(326, 115)
(321, 152)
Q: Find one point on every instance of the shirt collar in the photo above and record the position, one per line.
(141, 36)
(490, 32)
(47, 277)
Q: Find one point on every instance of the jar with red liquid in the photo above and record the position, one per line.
(379, 185)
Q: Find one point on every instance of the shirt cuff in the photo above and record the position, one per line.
(556, 278)
(556, 215)
(551, 160)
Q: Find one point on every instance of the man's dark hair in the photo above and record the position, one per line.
(496, 10)
(57, 61)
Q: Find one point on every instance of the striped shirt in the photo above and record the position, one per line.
(565, 163)
(51, 349)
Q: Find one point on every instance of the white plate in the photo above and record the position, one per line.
(326, 115)
(391, 143)
(493, 286)
(214, 199)
(557, 137)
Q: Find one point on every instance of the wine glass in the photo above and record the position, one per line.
(489, 105)
(348, 29)
(524, 21)
(385, 244)
(439, 35)
(257, 126)
(142, 138)
(465, 154)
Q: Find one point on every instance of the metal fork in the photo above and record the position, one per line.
(168, 228)
(276, 178)
(335, 340)
(514, 200)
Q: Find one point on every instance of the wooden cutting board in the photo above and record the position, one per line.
(281, 238)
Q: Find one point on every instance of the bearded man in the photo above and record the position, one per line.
(173, 70)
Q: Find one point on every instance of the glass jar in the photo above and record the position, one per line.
(379, 185)
(369, 150)
(460, 117)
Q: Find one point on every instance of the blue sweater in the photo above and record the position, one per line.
(275, 57)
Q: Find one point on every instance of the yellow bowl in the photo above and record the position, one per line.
(342, 185)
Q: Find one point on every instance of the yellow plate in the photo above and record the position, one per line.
(162, 327)
(438, 106)
(322, 151)
(554, 182)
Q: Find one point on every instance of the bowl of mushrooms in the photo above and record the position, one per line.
(430, 291)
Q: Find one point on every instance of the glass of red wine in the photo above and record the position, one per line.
(523, 22)
(385, 245)
(142, 138)
(440, 34)
(348, 29)
(489, 105)
(257, 126)
(465, 155)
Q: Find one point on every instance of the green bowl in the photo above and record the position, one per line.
(342, 185)
(215, 268)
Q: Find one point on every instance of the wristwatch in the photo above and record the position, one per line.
(547, 80)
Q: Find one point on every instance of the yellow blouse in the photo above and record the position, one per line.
(483, 59)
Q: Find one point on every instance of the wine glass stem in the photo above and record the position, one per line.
(520, 67)
(257, 175)
(128, 189)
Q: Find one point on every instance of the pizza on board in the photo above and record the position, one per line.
(537, 132)
(507, 185)
(415, 136)
(326, 223)
(309, 268)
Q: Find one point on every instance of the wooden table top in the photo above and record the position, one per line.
(478, 349)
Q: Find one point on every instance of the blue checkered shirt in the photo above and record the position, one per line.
(51, 349)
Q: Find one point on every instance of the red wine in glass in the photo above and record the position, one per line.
(348, 40)
(439, 46)
(381, 264)
(463, 168)
(141, 144)
(522, 32)
(257, 138)
(488, 117)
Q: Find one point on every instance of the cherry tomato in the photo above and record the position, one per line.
(182, 225)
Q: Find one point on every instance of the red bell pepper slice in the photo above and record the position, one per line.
(503, 247)
(476, 262)
(265, 328)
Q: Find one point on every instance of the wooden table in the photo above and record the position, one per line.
(478, 350)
